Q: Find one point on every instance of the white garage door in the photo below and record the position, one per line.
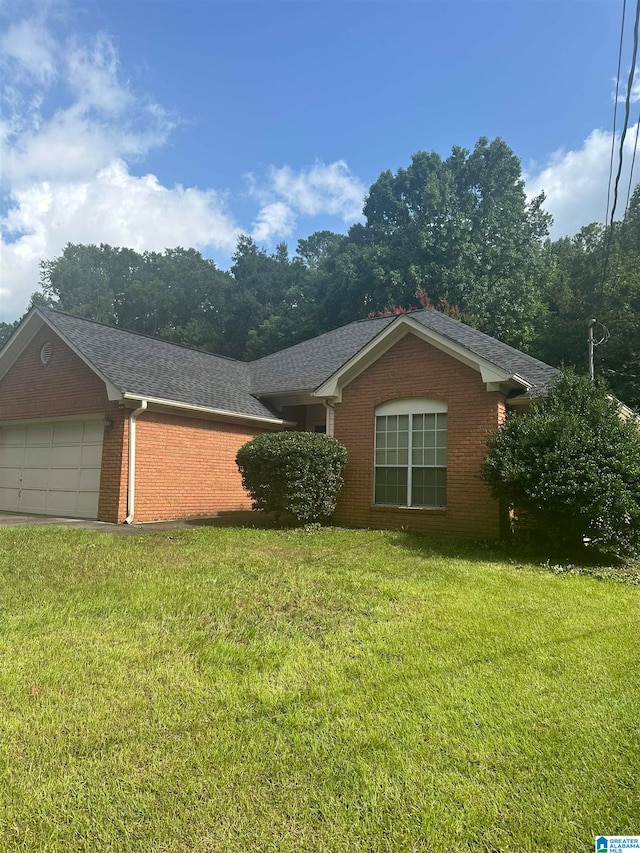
(51, 468)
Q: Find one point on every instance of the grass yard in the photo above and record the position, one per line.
(328, 691)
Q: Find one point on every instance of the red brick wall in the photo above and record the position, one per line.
(412, 368)
(63, 387)
(186, 467)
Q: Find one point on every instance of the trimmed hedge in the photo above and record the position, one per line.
(293, 473)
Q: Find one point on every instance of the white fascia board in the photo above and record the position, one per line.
(491, 374)
(204, 410)
(19, 341)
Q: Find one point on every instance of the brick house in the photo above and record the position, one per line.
(97, 422)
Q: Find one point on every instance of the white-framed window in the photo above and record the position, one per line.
(411, 453)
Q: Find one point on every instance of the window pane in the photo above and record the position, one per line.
(429, 487)
(392, 439)
(428, 458)
(391, 486)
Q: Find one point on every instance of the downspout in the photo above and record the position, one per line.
(131, 479)
(330, 410)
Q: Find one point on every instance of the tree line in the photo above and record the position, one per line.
(458, 233)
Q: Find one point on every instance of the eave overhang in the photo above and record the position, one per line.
(494, 377)
(133, 400)
(280, 399)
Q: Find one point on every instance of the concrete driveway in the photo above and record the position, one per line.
(240, 519)
(11, 519)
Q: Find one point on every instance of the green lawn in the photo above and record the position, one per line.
(254, 690)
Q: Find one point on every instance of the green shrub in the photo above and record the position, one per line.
(573, 465)
(293, 473)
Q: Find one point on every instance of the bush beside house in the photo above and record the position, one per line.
(293, 473)
(573, 466)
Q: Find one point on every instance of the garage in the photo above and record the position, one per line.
(51, 468)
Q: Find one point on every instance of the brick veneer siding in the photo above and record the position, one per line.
(413, 368)
(186, 467)
(67, 387)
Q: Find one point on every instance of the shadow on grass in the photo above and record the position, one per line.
(532, 555)
(241, 518)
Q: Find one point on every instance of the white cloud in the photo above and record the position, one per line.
(635, 87)
(575, 182)
(92, 75)
(323, 189)
(66, 175)
(71, 126)
(275, 219)
(112, 207)
(30, 47)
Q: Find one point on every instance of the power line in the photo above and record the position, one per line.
(633, 161)
(627, 108)
(623, 135)
(615, 109)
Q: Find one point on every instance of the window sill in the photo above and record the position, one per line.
(437, 510)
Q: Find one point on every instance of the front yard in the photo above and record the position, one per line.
(328, 691)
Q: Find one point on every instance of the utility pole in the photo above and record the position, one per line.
(590, 343)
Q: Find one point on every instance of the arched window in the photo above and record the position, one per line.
(411, 453)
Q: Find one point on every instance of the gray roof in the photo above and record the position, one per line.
(148, 367)
(533, 371)
(307, 365)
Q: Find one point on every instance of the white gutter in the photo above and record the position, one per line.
(172, 404)
(131, 480)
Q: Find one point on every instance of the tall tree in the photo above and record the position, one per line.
(272, 304)
(6, 330)
(177, 294)
(461, 230)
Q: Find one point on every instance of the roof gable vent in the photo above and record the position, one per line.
(46, 351)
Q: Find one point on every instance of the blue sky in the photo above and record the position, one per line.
(154, 124)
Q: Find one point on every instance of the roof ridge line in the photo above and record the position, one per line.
(141, 335)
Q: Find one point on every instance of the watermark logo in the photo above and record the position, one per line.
(617, 843)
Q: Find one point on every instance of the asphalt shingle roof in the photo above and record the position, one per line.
(148, 367)
(535, 372)
(308, 364)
